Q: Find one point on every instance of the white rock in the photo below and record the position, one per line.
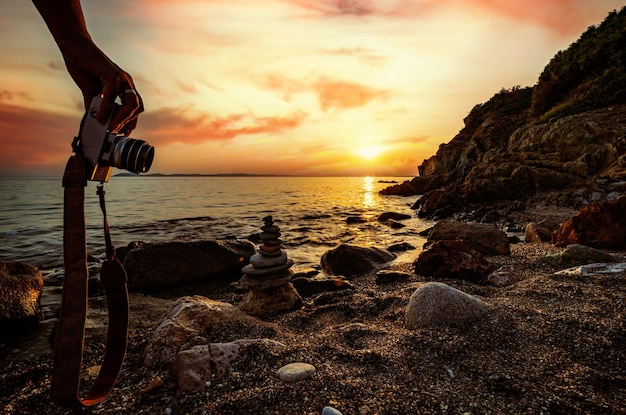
(295, 371)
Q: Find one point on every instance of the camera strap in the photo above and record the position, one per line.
(70, 332)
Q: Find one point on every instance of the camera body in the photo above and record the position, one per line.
(103, 150)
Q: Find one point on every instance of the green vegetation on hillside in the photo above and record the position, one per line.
(590, 74)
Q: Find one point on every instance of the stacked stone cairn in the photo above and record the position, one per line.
(267, 277)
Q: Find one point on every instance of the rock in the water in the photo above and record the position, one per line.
(154, 267)
(21, 286)
(486, 238)
(188, 318)
(599, 225)
(351, 260)
(395, 224)
(578, 255)
(386, 276)
(260, 303)
(293, 372)
(403, 246)
(196, 366)
(308, 287)
(437, 304)
(452, 259)
(385, 216)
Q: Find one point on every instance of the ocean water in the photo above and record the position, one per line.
(312, 213)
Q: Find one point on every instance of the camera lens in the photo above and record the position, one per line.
(131, 154)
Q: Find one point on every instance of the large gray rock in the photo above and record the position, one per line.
(437, 304)
(351, 260)
(154, 267)
(486, 238)
(21, 286)
(188, 320)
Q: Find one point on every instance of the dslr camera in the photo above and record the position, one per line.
(103, 150)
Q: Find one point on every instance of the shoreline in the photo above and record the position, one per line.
(550, 344)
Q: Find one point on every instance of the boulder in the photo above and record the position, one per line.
(437, 304)
(452, 259)
(578, 255)
(351, 260)
(599, 225)
(537, 232)
(310, 286)
(486, 238)
(261, 303)
(189, 318)
(196, 366)
(159, 266)
(21, 286)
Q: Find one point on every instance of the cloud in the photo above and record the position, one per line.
(6, 95)
(178, 125)
(399, 8)
(345, 95)
(31, 139)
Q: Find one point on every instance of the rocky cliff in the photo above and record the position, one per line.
(561, 142)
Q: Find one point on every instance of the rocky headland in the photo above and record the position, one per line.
(560, 143)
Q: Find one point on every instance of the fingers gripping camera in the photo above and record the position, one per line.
(104, 150)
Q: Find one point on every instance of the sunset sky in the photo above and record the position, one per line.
(302, 87)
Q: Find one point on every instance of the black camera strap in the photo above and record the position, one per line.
(69, 340)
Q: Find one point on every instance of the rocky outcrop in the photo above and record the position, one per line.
(565, 162)
(352, 261)
(600, 225)
(160, 266)
(21, 286)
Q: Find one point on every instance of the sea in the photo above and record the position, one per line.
(312, 212)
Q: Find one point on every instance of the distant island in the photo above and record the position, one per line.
(126, 174)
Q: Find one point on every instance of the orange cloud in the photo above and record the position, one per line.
(33, 139)
(345, 95)
(175, 125)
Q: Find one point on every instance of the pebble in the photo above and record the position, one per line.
(329, 410)
(295, 371)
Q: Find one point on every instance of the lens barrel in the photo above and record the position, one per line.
(131, 154)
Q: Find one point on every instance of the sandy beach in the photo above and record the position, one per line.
(551, 344)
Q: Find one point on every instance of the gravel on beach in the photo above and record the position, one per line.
(551, 344)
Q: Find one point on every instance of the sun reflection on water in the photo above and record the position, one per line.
(368, 192)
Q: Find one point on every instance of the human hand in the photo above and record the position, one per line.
(95, 74)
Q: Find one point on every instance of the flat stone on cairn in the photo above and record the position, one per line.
(268, 276)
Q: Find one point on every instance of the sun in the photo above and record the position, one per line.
(370, 152)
